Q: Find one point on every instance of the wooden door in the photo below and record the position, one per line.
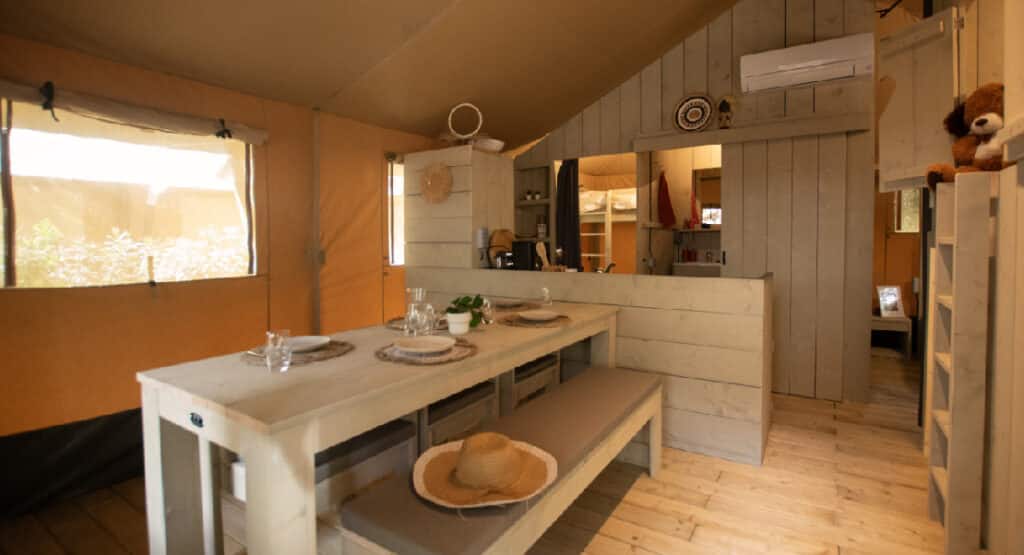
(917, 88)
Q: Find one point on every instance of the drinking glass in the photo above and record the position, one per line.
(277, 353)
(419, 319)
(545, 296)
(487, 310)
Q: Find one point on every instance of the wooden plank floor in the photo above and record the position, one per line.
(838, 478)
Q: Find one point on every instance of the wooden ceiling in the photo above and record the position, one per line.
(528, 64)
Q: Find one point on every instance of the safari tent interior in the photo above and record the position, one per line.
(474, 276)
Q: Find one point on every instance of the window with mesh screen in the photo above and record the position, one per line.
(100, 203)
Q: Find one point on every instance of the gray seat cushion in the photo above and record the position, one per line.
(568, 423)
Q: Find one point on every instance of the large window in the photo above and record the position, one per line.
(396, 213)
(100, 203)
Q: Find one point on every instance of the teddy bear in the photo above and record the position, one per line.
(975, 124)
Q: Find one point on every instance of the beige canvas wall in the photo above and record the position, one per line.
(79, 349)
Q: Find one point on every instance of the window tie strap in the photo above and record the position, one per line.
(224, 132)
(48, 91)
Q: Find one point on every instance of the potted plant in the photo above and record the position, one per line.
(464, 313)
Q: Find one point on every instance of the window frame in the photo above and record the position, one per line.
(9, 213)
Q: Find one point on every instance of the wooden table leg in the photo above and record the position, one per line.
(602, 346)
(173, 504)
(280, 494)
(654, 441)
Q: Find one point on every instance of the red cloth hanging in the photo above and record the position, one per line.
(666, 216)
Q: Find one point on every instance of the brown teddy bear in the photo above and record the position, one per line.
(974, 123)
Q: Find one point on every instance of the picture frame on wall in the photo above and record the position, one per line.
(890, 301)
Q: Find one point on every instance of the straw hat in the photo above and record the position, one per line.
(482, 470)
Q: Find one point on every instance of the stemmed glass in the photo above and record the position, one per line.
(545, 296)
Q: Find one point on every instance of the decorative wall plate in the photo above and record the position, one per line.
(694, 113)
(436, 183)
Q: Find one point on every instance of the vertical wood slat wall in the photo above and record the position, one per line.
(801, 208)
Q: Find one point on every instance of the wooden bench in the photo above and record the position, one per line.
(584, 424)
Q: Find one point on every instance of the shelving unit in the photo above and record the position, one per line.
(607, 217)
(960, 282)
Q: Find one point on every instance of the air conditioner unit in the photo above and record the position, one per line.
(849, 56)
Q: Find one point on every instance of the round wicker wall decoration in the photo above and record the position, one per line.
(436, 184)
(694, 113)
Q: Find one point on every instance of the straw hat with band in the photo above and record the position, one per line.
(483, 470)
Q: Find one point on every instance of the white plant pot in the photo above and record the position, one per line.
(458, 324)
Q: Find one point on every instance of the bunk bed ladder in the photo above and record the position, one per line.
(959, 321)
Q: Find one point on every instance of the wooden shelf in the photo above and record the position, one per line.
(943, 421)
(941, 479)
(945, 301)
(945, 240)
(697, 230)
(945, 360)
(592, 255)
(591, 234)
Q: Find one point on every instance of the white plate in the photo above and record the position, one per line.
(429, 454)
(424, 344)
(539, 315)
(306, 343)
(509, 303)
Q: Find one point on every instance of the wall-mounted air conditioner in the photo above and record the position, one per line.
(848, 56)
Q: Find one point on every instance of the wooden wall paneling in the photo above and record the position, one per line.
(731, 331)
(755, 213)
(723, 399)
(643, 210)
(1016, 485)
(732, 209)
(690, 361)
(799, 22)
(991, 26)
(650, 96)
(779, 248)
(968, 45)
(799, 30)
(556, 144)
(720, 56)
(592, 129)
(671, 84)
(629, 112)
(695, 78)
(1003, 297)
(731, 439)
(933, 96)
(859, 17)
(573, 137)
(860, 209)
(611, 139)
(831, 266)
(828, 19)
(804, 275)
(839, 97)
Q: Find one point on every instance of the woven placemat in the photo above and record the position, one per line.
(515, 321)
(463, 349)
(333, 349)
(398, 324)
(526, 305)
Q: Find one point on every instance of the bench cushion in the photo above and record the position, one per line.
(568, 423)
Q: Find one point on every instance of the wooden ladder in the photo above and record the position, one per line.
(959, 321)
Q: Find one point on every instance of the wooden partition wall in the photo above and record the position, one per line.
(710, 338)
(797, 177)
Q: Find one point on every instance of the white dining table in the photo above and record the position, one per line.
(277, 422)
